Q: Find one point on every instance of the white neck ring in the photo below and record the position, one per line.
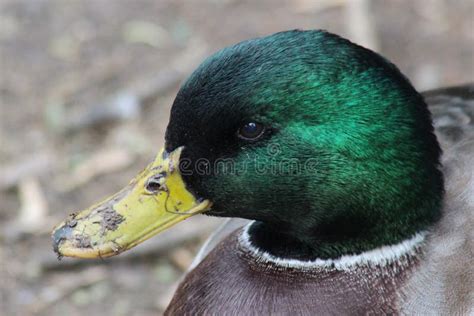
(381, 256)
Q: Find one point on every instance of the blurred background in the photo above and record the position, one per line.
(85, 93)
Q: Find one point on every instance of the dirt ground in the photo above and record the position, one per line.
(85, 91)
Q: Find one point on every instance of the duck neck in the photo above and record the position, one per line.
(325, 242)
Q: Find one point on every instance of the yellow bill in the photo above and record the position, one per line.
(152, 202)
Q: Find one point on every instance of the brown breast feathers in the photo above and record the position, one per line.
(234, 281)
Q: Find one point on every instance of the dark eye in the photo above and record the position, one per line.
(251, 131)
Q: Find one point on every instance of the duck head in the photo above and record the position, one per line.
(325, 144)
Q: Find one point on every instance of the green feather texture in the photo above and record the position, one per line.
(348, 161)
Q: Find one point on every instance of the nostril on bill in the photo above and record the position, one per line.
(156, 183)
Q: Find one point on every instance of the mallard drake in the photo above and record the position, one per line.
(331, 154)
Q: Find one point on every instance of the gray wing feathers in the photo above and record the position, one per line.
(453, 113)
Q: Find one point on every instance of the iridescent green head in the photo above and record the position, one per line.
(324, 142)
